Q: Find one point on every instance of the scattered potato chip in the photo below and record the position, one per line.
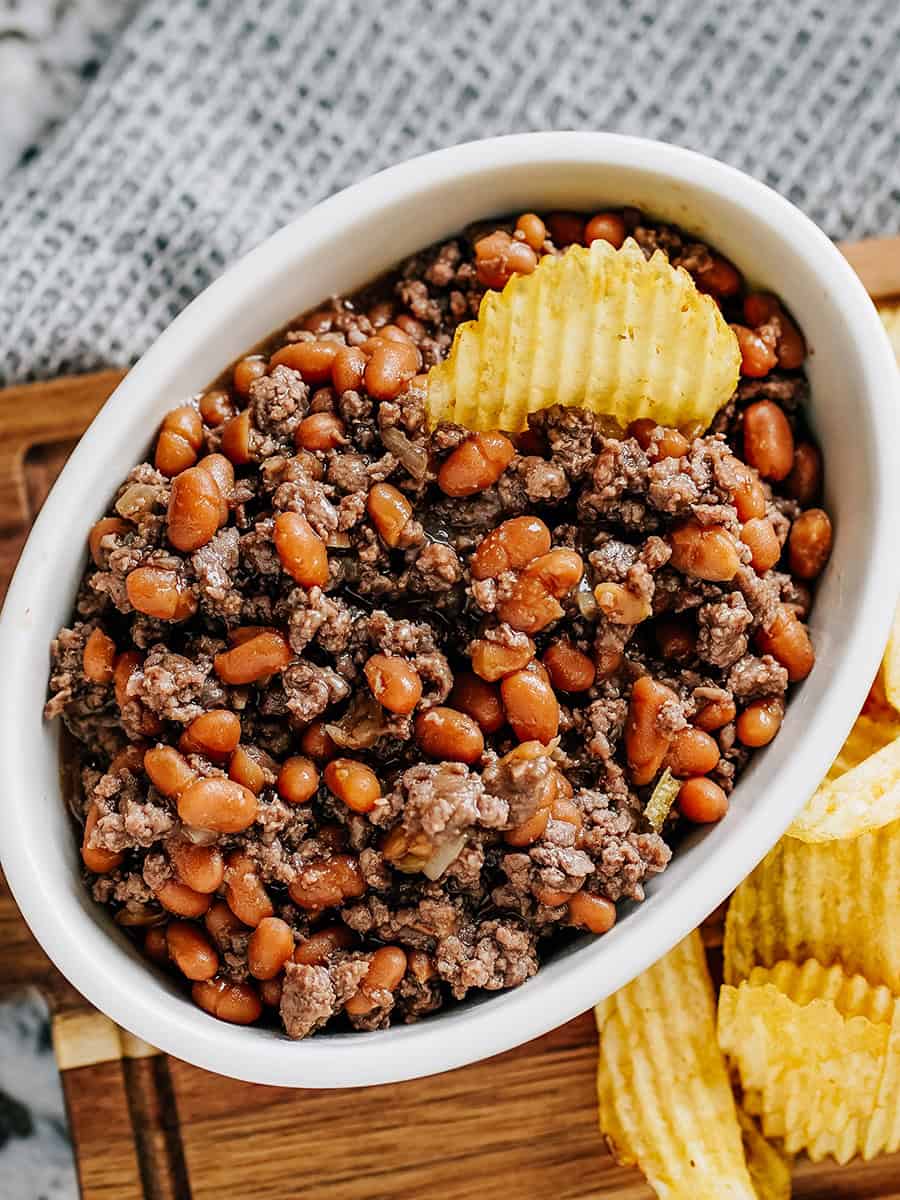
(597, 327)
(891, 666)
(665, 1100)
(875, 727)
(810, 1045)
(833, 901)
(661, 799)
(770, 1169)
(863, 798)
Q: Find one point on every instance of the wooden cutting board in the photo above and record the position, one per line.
(146, 1126)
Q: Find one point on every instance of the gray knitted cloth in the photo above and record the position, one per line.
(212, 122)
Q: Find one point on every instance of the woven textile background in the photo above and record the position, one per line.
(214, 121)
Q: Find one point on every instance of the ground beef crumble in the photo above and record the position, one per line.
(459, 875)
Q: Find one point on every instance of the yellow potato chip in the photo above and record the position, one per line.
(891, 666)
(833, 901)
(875, 727)
(664, 1096)
(597, 327)
(864, 798)
(770, 1169)
(810, 1045)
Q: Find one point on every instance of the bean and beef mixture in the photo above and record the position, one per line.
(365, 716)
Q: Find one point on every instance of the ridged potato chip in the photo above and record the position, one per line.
(770, 1169)
(832, 901)
(810, 1045)
(864, 798)
(596, 327)
(664, 1096)
(875, 727)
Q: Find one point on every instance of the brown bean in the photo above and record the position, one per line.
(809, 543)
(498, 257)
(221, 923)
(787, 640)
(566, 228)
(449, 735)
(251, 767)
(313, 360)
(270, 947)
(298, 780)
(476, 464)
(348, 369)
(660, 441)
(168, 770)
(747, 493)
(222, 471)
(559, 570)
(104, 528)
(260, 656)
(317, 743)
(329, 883)
(493, 660)
(765, 549)
(320, 431)
(702, 801)
(551, 898)
(570, 670)
(386, 969)
(245, 892)
(620, 605)
(129, 758)
(237, 1003)
(216, 408)
(353, 783)
(101, 862)
(99, 657)
(301, 552)
(510, 547)
(533, 600)
(720, 277)
(805, 478)
(605, 227)
(704, 552)
(173, 454)
(676, 637)
(270, 991)
(319, 946)
(645, 743)
(217, 804)
(715, 715)
(421, 965)
(236, 439)
(176, 897)
(593, 913)
(760, 721)
(194, 509)
(757, 356)
(187, 423)
(127, 663)
(202, 868)
(246, 372)
(215, 733)
(530, 830)
(390, 511)
(394, 682)
(768, 441)
(564, 807)
(692, 752)
(159, 593)
(530, 703)
(191, 950)
(318, 322)
(759, 308)
(532, 229)
(155, 946)
(479, 700)
(390, 367)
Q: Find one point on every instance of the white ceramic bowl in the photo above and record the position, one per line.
(337, 246)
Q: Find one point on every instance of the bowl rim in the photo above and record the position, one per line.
(475, 1030)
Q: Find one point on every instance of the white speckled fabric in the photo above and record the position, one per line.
(212, 122)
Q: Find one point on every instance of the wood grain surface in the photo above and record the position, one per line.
(149, 1127)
